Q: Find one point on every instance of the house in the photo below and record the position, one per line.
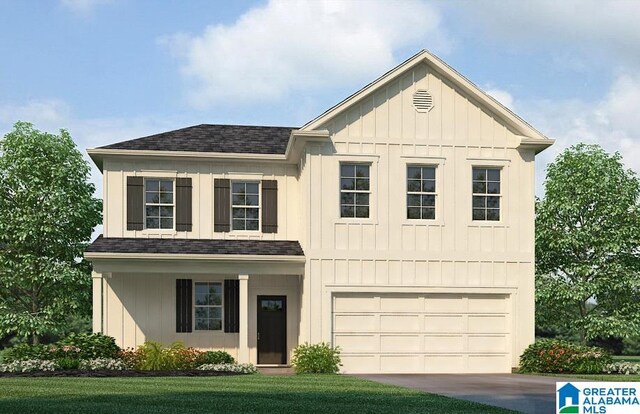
(568, 395)
(398, 225)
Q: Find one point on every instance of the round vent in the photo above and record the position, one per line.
(422, 100)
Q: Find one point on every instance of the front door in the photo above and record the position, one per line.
(272, 330)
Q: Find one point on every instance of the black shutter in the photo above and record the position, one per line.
(269, 206)
(184, 320)
(135, 203)
(232, 305)
(183, 204)
(221, 205)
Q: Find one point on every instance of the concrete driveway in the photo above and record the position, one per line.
(529, 394)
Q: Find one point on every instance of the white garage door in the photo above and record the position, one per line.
(416, 333)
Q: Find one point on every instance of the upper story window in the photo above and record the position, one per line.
(421, 192)
(159, 203)
(486, 194)
(245, 205)
(208, 306)
(354, 190)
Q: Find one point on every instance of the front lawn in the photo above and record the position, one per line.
(237, 394)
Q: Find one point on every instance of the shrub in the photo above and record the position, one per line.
(92, 346)
(24, 352)
(96, 364)
(28, 365)
(186, 358)
(556, 356)
(215, 357)
(131, 358)
(624, 368)
(320, 358)
(155, 357)
(236, 368)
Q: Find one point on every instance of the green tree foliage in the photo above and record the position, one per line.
(587, 246)
(47, 213)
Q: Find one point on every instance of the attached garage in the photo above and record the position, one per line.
(423, 333)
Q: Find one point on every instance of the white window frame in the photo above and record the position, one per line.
(258, 207)
(159, 205)
(354, 191)
(396, 192)
(221, 306)
(436, 213)
(486, 194)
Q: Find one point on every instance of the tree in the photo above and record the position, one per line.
(587, 246)
(47, 214)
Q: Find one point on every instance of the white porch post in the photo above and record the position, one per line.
(97, 301)
(243, 348)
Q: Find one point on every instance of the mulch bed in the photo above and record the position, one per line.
(110, 373)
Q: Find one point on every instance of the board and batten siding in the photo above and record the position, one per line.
(388, 253)
(202, 174)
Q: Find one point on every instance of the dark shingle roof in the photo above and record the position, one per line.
(214, 138)
(195, 246)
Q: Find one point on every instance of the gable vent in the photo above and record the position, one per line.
(422, 100)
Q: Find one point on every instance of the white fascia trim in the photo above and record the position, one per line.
(538, 145)
(200, 257)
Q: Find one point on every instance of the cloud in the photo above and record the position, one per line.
(83, 7)
(593, 26)
(610, 122)
(287, 46)
(502, 96)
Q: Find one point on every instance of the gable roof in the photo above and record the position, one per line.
(505, 114)
(130, 245)
(242, 139)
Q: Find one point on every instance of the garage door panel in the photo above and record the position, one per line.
(443, 343)
(444, 324)
(487, 324)
(355, 323)
(399, 343)
(443, 364)
(356, 343)
(488, 363)
(433, 333)
(491, 343)
(488, 304)
(444, 303)
(400, 363)
(400, 323)
(401, 304)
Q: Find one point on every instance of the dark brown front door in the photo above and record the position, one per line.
(272, 329)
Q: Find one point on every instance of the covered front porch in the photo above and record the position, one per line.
(245, 304)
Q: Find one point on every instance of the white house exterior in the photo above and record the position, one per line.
(398, 225)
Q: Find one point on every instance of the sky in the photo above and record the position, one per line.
(111, 70)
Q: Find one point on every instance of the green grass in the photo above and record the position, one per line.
(235, 394)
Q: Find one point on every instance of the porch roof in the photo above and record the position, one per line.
(145, 246)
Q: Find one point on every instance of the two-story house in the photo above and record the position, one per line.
(398, 225)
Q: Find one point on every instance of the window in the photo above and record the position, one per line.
(245, 206)
(421, 193)
(486, 194)
(354, 190)
(158, 204)
(208, 306)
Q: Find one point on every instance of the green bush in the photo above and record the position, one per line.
(92, 346)
(155, 357)
(562, 357)
(320, 358)
(23, 352)
(67, 362)
(215, 358)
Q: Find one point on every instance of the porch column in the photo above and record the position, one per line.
(97, 301)
(243, 348)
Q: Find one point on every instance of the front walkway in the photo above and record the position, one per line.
(529, 394)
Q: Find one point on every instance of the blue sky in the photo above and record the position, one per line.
(109, 70)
